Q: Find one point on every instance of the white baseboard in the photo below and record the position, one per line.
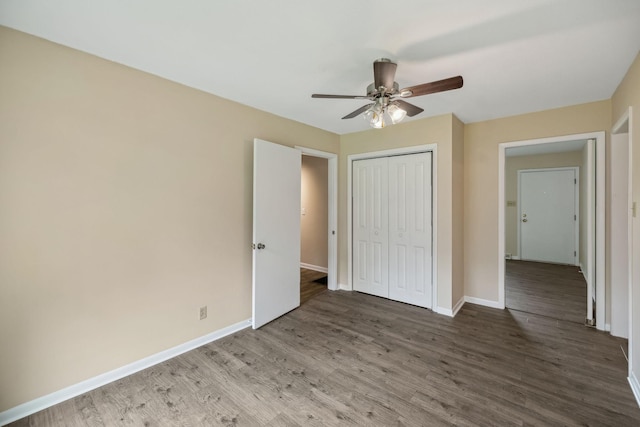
(343, 287)
(484, 302)
(444, 311)
(515, 257)
(314, 267)
(635, 386)
(56, 397)
(458, 306)
(451, 312)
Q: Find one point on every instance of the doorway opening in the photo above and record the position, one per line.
(318, 219)
(569, 287)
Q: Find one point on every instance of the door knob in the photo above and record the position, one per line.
(261, 246)
(524, 220)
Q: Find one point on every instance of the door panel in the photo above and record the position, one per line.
(410, 278)
(370, 226)
(276, 225)
(548, 216)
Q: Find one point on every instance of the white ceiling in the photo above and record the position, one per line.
(515, 56)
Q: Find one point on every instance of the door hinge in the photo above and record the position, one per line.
(575, 217)
(575, 181)
(574, 253)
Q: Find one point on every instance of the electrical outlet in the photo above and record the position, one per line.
(203, 312)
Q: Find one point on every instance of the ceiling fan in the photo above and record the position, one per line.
(387, 97)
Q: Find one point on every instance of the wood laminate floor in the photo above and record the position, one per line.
(552, 290)
(346, 358)
(309, 288)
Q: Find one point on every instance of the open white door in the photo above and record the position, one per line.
(276, 231)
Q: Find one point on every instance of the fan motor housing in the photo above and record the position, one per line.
(374, 91)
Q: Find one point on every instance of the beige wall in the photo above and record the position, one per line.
(433, 130)
(628, 95)
(126, 205)
(481, 142)
(512, 166)
(314, 224)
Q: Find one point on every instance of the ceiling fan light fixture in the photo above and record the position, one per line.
(385, 94)
(377, 121)
(396, 113)
(375, 117)
(375, 114)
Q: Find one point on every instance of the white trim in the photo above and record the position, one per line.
(635, 385)
(600, 214)
(484, 302)
(451, 312)
(591, 232)
(458, 306)
(434, 206)
(501, 230)
(515, 258)
(576, 207)
(344, 287)
(622, 121)
(85, 386)
(444, 311)
(332, 196)
(314, 267)
(600, 235)
(630, 249)
(627, 120)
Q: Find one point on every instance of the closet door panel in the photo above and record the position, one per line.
(410, 278)
(371, 226)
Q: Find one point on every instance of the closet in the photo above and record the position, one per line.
(392, 228)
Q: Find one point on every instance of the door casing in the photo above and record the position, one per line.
(596, 245)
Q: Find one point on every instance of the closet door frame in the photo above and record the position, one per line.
(434, 206)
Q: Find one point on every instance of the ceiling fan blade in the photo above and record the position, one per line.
(384, 73)
(319, 95)
(358, 111)
(411, 109)
(433, 87)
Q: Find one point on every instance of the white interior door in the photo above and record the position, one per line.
(370, 226)
(410, 264)
(276, 231)
(548, 215)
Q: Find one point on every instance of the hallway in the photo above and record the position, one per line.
(551, 290)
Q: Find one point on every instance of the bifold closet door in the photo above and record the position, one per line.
(370, 226)
(410, 256)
